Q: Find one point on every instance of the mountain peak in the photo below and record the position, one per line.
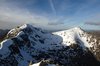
(25, 26)
(76, 29)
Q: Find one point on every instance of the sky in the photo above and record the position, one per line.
(50, 14)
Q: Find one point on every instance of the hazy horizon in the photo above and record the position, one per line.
(50, 14)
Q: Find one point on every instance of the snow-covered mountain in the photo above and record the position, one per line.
(27, 45)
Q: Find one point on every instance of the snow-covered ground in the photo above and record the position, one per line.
(73, 35)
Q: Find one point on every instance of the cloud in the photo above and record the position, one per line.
(52, 6)
(65, 14)
(55, 23)
(93, 23)
(19, 16)
(12, 16)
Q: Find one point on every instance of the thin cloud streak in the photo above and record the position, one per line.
(52, 6)
(93, 23)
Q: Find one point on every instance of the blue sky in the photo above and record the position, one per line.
(51, 14)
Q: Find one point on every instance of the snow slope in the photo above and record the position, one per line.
(27, 44)
(72, 35)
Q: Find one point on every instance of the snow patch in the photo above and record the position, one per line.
(36, 64)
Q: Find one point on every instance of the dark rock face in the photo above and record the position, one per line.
(9, 61)
(31, 46)
(3, 34)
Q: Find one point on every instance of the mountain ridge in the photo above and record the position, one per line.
(27, 44)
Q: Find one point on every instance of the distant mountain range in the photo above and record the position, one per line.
(30, 46)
